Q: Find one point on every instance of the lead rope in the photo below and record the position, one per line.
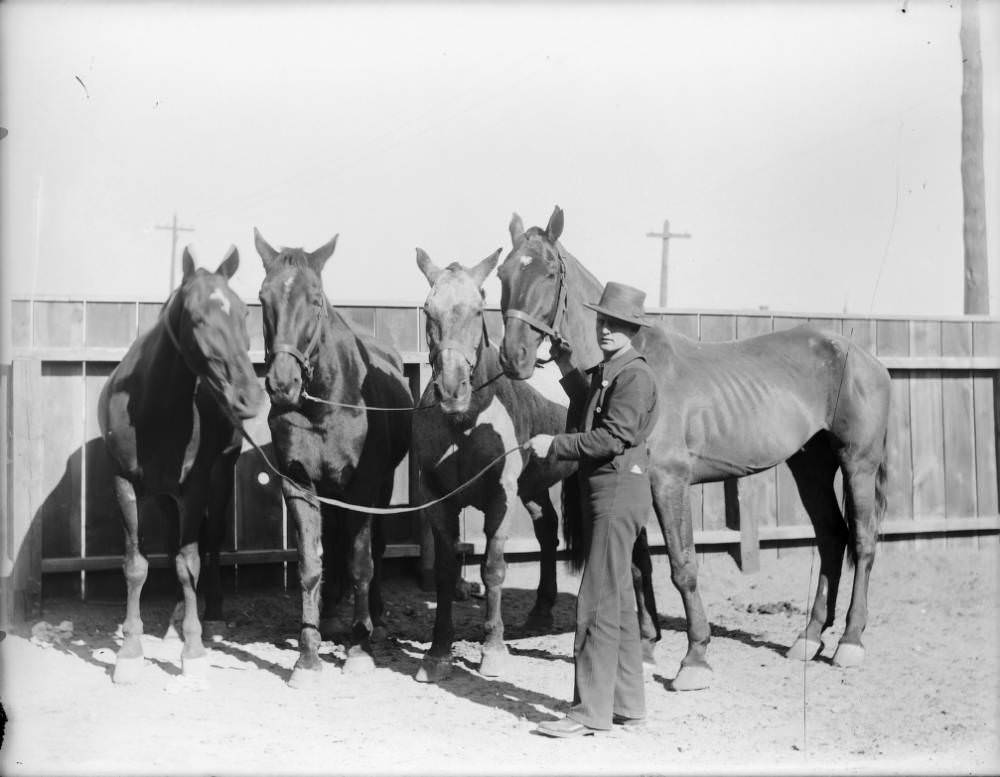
(310, 496)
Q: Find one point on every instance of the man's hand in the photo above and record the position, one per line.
(540, 445)
(562, 354)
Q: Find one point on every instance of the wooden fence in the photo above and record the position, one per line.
(60, 520)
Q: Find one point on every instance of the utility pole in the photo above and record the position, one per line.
(977, 282)
(173, 248)
(665, 236)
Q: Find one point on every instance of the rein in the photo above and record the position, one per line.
(312, 497)
(551, 330)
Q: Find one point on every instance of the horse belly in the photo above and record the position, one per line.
(752, 438)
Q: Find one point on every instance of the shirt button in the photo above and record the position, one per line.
(604, 383)
(598, 409)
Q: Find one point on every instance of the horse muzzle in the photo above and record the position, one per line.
(284, 381)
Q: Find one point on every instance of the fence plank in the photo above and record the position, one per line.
(985, 393)
(959, 430)
(926, 426)
(62, 400)
(892, 338)
(58, 324)
(110, 324)
(103, 518)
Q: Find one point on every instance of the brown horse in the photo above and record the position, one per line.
(321, 377)
(169, 414)
(730, 409)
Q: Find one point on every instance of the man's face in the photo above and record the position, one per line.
(613, 335)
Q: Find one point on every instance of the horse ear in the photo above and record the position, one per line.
(485, 267)
(230, 264)
(267, 254)
(317, 259)
(430, 270)
(555, 227)
(187, 263)
(516, 230)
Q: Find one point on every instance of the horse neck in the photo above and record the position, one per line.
(167, 368)
(340, 369)
(484, 375)
(578, 322)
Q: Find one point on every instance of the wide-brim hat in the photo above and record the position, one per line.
(622, 303)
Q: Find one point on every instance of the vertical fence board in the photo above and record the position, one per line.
(892, 338)
(398, 327)
(959, 430)
(61, 400)
(147, 315)
(861, 332)
(682, 323)
(58, 324)
(926, 426)
(22, 579)
(360, 318)
(987, 501)
(20, 324)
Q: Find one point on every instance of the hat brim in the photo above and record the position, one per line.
(616, 316)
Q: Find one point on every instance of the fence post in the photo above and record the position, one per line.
(748, 554)
(21, 557)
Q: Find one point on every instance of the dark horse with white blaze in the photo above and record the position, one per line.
(170, 414)
(470, 414)
(729, 409)
(326, 382)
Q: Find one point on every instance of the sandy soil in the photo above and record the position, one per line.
(926, 699)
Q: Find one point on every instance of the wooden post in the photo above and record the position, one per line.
(748, 555)
(21, 558)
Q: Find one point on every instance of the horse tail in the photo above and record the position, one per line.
(572, 519)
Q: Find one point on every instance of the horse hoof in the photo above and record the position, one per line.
(196, 667)
(128, 670)
(492, 663)
(848, 655)
(359, 663)
(804, 650)
(433, 670)
(692, 678)
(539, 622)
(304, 678)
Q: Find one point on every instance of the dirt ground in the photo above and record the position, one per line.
(925, 701)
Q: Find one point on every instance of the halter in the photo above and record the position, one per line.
(303, 358)
(551, 330)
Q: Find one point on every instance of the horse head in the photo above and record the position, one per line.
(455, 326)
(533, 293)
(294, 309)
(211, 334)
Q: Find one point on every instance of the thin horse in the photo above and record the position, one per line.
(347, 453)
(169, 414)
(802, 396)
(470, 414)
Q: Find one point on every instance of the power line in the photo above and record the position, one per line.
(665, 236)
(174, 228)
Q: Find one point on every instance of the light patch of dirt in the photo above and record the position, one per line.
(925, 701)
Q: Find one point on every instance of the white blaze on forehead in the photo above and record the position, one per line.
(287, 285)
(527, 259)
(219, 296)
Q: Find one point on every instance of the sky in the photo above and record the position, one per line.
(811, 150)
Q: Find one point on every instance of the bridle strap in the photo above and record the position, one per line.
(304, 358)
(559, 309)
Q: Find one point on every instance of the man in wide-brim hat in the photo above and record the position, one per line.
(620, 401)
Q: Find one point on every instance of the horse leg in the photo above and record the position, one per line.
(376, 607)
(129, 661)
(190, 510)
(545, 522)
(359, 648)
(443, 520)
(220, 490)
(672, 503)
(493, 571)
(813, 470)
(310, 542)
(336, 579)
(861, 486)
(645, 599)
